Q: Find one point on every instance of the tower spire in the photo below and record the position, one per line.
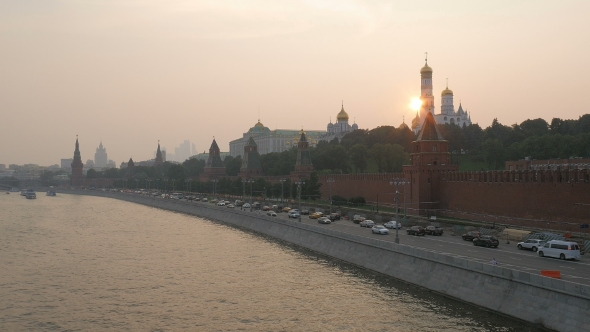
(426, 57)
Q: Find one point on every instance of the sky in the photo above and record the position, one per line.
(131, 73)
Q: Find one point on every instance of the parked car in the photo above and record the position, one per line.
(486, 241)
(416, 230)
(433, 230)
(304, 212)
(286, 209)
(293, 214)
(265, 208)
(367, 223)
(378, 229)
(222, 203)
(357, 219)
(246, 206)
(231, 206)
(324, 220)
(271, 213)
(560, 249)
(532, 244)
(334, 216)
(393, 224)
(469, 236)
(316, 215)
(204, 200)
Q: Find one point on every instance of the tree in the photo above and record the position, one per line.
(91, 174)
(176, 172)
(358, 156)
(232, 165)
(536, 127)
(194, 167)
(493, 152)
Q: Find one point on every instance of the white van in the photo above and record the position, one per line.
(176, 195)
(560, 249)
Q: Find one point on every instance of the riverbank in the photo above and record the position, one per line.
(552, 303)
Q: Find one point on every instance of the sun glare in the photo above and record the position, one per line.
(415, 104)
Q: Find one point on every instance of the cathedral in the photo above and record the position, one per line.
(448, 115)
(340, 128)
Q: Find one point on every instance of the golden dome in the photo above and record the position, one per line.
(447, 91)
(342, 116)
(258, 124)
(426, 69)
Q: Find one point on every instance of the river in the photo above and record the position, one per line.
(83, 263)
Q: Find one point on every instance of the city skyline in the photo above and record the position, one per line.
(132, 74)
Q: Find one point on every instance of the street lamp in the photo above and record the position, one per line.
(396, 181)
(250, 181)
(396, 218)
(299, 183)
(330, 181)
(282, 183)
(402, 182)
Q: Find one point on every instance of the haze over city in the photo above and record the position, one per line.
(130, 73)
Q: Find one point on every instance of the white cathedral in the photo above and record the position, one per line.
(448, 115)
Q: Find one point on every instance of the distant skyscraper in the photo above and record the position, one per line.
(183, 152)
(100, 157)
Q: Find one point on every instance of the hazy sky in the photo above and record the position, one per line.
(132, 72)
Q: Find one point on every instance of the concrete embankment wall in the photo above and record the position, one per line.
(556, 304)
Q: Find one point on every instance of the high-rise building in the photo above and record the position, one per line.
(100, 157)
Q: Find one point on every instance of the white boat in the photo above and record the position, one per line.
(30, 194)
(51, 193)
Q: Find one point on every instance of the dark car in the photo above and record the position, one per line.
(469, 236)
(416, 230)
(433, 230)
(486, 241)
(334, 216)
(305, 212)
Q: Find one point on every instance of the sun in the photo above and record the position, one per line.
(415, 104)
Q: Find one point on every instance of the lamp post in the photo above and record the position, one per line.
(396, 219)
(402, 182)
(251, 182)
(330, 181)
(214, 185)
(282, 183)
(299, 183)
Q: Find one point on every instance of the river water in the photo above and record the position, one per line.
(82, 263)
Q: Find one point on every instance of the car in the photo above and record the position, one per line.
(334, 216)
(304, 212)
(378, 229)
(316, 215)
(532, 244)
(324, 220)
(416, 230)
(433, 230)
(213, 201)
(246, 206)
(222, 203)
(486, 241)
(393, 224)
(469, 236)
(560, 249)
(231, 206)
(197, 199)
(286, 209)
(357, 219)
(367, 223)
(265, 208)
(293, 214)
(204, 200)
(271, 213)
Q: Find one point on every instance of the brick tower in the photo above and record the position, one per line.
(251, 166)
(214, 167)
(77, 167)
(159, 159)
(430, 157)
(303, 165)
